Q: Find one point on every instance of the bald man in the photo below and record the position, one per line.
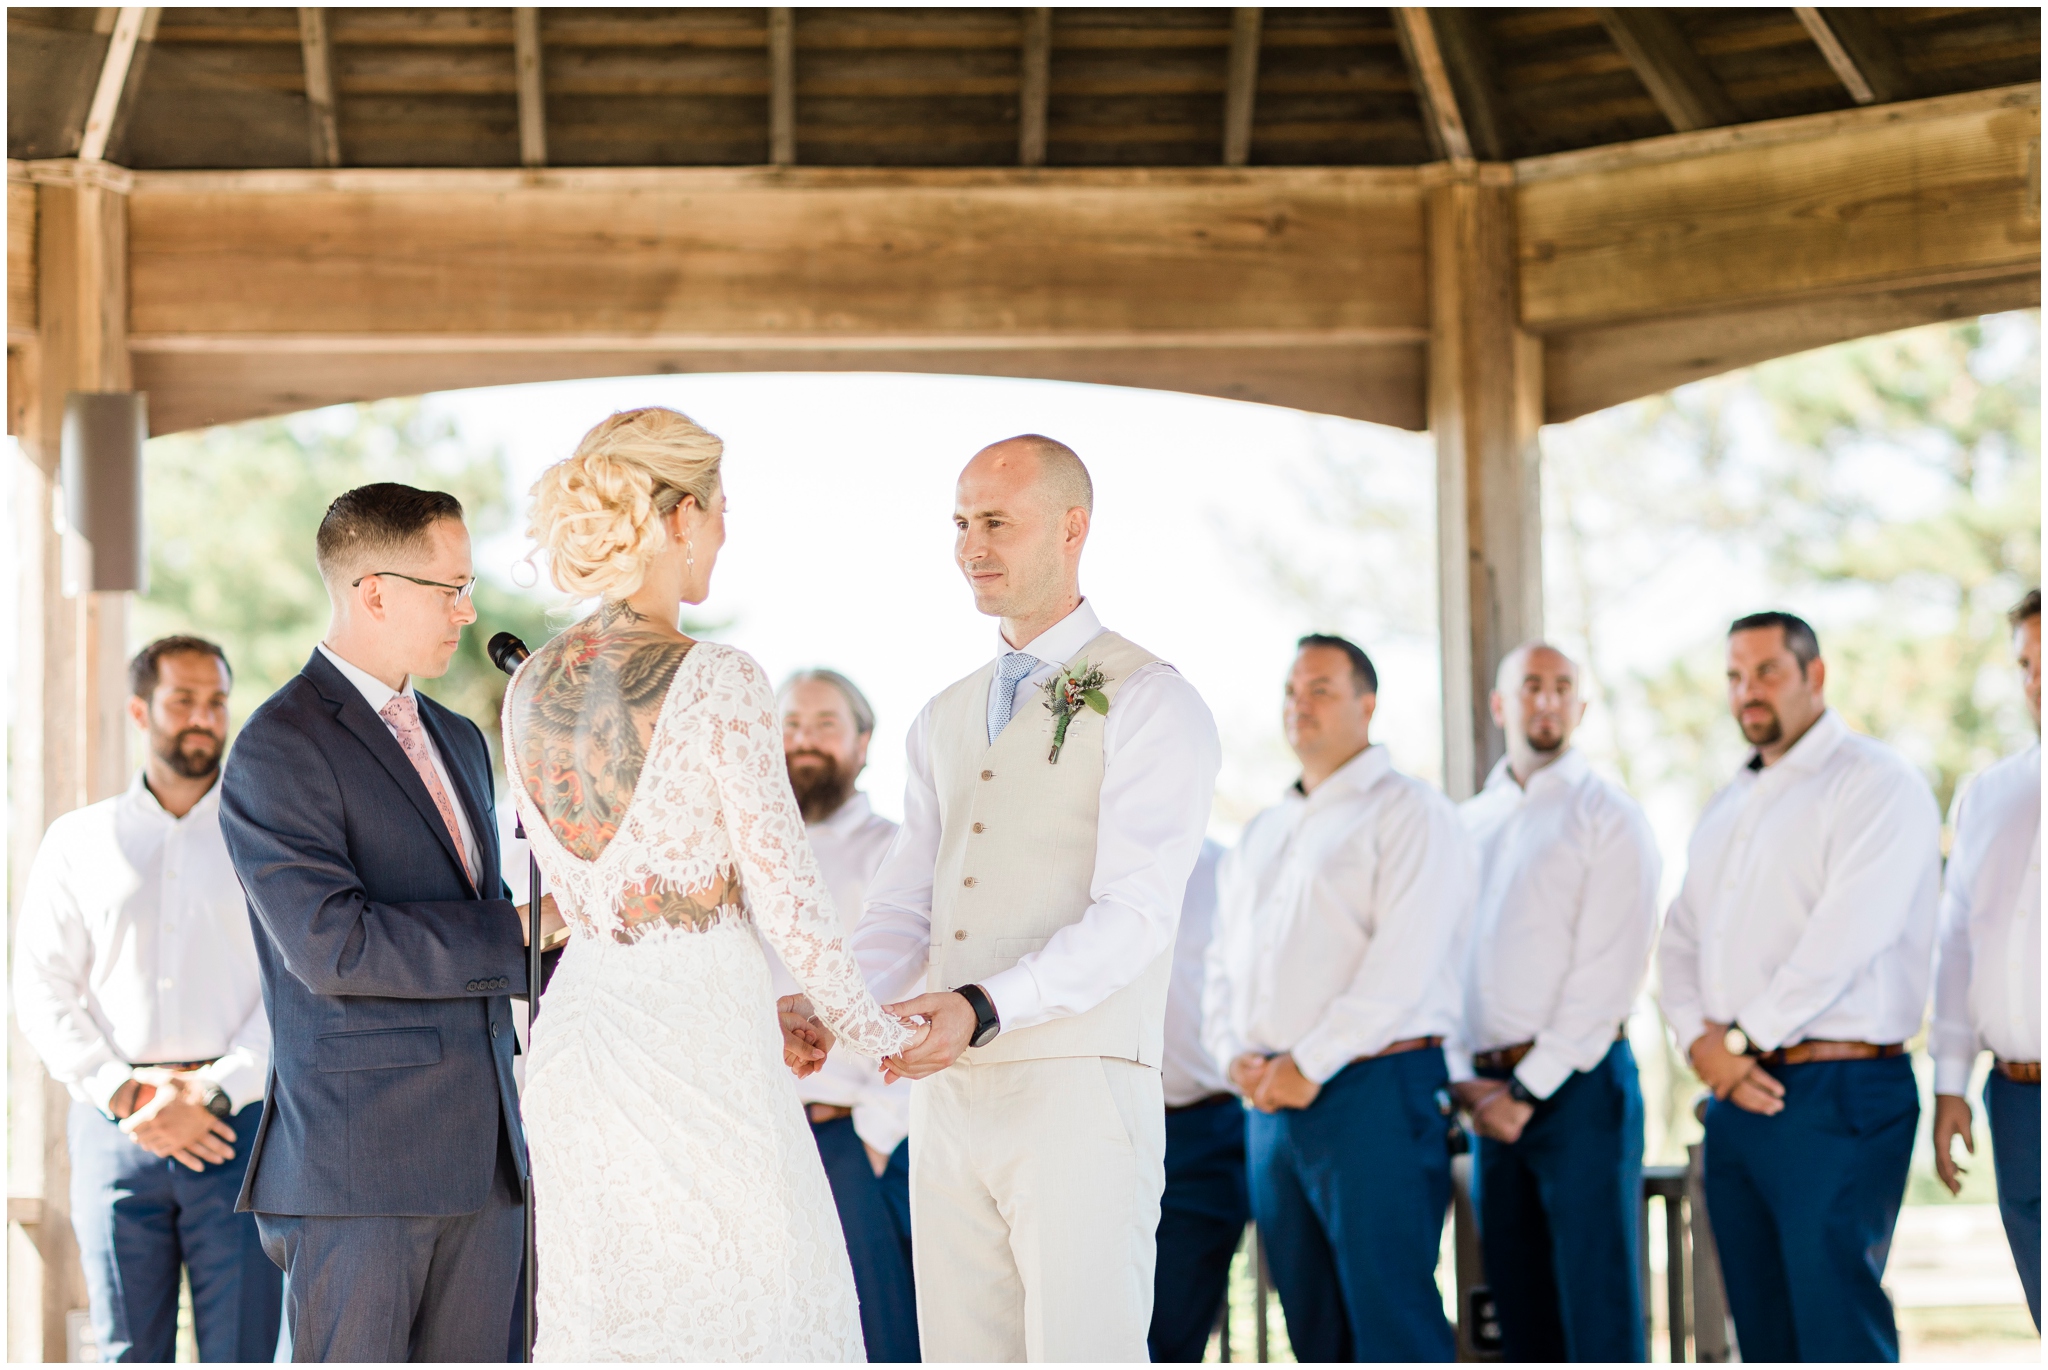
(1055, 806)
(1560, 941)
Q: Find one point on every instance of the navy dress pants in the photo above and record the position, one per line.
(2014, 1111)
(1201, 1220)
(139, 1218)
(1350, 1195)
(1559, 1224)
(1803, 1205)
(874, 1212)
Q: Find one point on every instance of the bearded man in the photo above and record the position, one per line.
(136, 981)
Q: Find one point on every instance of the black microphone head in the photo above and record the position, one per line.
(506, 652)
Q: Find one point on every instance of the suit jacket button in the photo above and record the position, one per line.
(970, 882)
(981, 827)
(988, 775)
(960, 936)
(471, 987)
(494, 1029)
(503, 981)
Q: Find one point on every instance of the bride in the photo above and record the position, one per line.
(683, 1213)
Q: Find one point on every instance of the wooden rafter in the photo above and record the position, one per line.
(1861, 53)
(533, 119)
(1441, 115)
(1690, 95)
(1034, 87)
(781, 87)
(1475, 82)
(113, 83)
(1243, 85)
(322, 127)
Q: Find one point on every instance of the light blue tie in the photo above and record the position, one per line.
(1002, 700)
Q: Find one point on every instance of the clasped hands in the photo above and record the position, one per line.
(164, 1112)
(1740, 1080)
(806, 1041)
(1495, 1112)
(1271, 1083)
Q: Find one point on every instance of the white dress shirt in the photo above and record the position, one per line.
(849, 845)
(1567, 911)
(1987, 979)
(1160, 757)
(1808, 906)
(1340, 922)
(1188, 1072)
(134, 948)
(379, 694)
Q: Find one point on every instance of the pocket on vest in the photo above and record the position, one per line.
(1016, 948)
(384, 1049)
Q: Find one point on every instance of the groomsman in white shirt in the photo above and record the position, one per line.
(859, 1121)
(1205, 1208)
(1795, 963)
(135, 980)
(1560, 942)
(1332, 984)
(1987, 981)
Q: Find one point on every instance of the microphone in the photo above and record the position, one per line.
(506, 652)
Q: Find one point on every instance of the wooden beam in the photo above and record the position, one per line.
(323, 129)
(124, 111)
(533, 120)
(1242, 85)
(1690, 95)
(1474, 79)
(106, 96)
(1441, 117)
(781, 87)
(1485, 405)
(1034, 87)
(1861, 53)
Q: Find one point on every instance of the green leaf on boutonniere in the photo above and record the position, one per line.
(1097, 700)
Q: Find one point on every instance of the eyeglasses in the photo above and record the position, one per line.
(458, 593)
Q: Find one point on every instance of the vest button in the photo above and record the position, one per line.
(988, 775)
(960, 936)
(979, 827)
(970, 882)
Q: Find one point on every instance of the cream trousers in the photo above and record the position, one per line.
(1034, 1203)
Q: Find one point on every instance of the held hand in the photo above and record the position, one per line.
(551, 922)
(950, 1019)
(1247, 1072)
(1737, 1079)
(175, 1123)
(1952, 1120)
(1284, 1086)
(1495, 1113)
(806, 1041)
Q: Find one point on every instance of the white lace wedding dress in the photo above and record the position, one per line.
(683, 1212)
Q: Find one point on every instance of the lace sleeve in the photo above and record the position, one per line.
(790, 903)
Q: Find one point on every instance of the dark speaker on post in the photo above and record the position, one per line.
(101, 459)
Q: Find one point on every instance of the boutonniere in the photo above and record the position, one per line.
(1066, 694)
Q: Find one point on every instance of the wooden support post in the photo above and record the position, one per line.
(1242, 86)
(1034, 87)
(323, 129)
(1485, 405)
(781, 87)
(533, 120)
(1862, 54)
(1678, 80)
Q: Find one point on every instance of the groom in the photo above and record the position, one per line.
(1035, 890)
(389, 1171)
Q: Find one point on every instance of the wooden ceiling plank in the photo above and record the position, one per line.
(1861, 53)
(323, 128)
(1678, 80)
(1034, 91)
(1242, 85)
(526, 59)
(781, 88)
(113, 82)
(1440, 113)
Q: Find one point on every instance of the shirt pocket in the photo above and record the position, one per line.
(384, 1049)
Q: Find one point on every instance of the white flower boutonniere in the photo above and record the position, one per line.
(1066, 694)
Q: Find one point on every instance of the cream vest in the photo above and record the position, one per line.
(1017, 857)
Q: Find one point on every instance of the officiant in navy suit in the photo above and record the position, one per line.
(390, 1170)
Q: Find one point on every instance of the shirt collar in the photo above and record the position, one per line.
(141, 799)
(848, 816)
(1814, 746)
(1063, 640)
(373, 690)
(1355, 776)
(1568, 769)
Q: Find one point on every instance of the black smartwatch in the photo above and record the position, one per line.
(1519, 1092)
(217, 1101)
(986, 1024)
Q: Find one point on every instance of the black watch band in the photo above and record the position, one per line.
(1519, 1092)
(217, 1101)
(986, 1023)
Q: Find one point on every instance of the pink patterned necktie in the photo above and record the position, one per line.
(403, 714)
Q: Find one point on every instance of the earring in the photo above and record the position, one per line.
(689, 552)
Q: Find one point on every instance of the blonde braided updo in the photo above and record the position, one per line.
(598, 513)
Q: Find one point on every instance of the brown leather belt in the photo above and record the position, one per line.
(174, 1065)
(1206, 1101)
(2019, 1072)
(1809, 1052)
(827, 1113)
(1503, 1059)
(1397, 1048)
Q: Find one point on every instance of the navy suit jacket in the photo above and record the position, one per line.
(388, 977)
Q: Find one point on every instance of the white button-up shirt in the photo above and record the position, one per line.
(1340, 922)
(1188, 1072)
(1160, 756)
(850, 844)
(1567, 911)
(134, 948)
(1809, 900)
(378, 694)
(1987, 981)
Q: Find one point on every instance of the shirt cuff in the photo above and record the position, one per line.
(1686, 1028)
(1017, 1001)
(1318, 1061)
(238, 1074)
(880, 1126)
(1952, 1074)
(99, 1086)
(1542, 1071)
(1766, 1029)
(1459, 1063)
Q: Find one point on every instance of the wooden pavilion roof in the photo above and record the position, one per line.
(215, 88)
